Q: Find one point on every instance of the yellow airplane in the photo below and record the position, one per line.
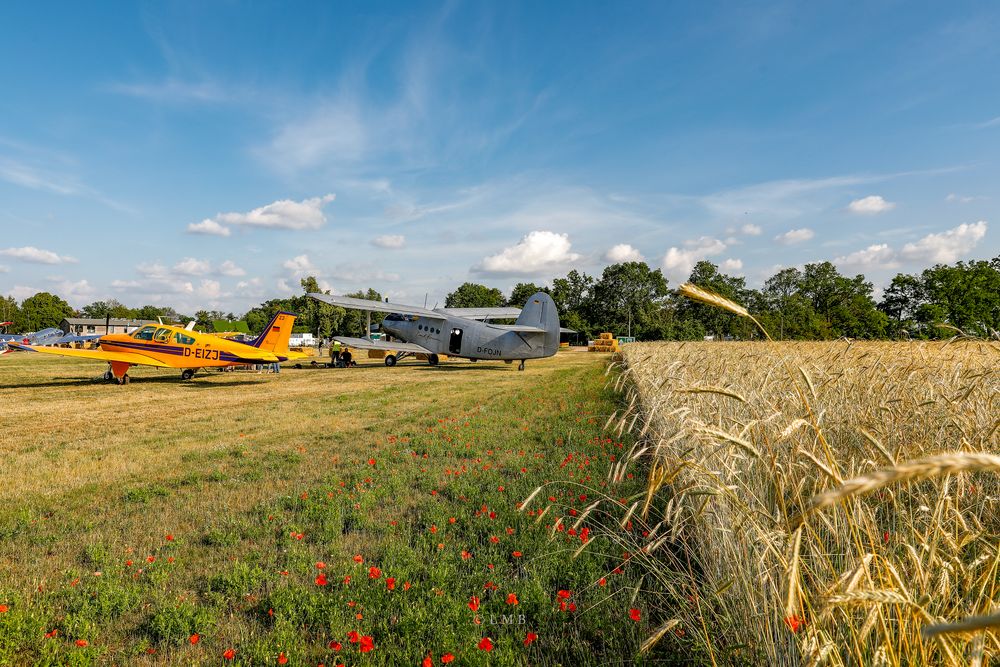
(168, 346)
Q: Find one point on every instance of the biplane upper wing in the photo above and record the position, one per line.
(395, 346)
(483, 313)
(375, 306)
(122, 357)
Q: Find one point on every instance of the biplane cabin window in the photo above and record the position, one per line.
(162, 335)
(183, 340)
(145, 333)
(455, 344)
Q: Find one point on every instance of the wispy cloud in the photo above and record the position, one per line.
(282, 214)
(37, 255)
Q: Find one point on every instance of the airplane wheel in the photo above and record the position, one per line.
(390, 360)
(124, 379)
(109, 376)
(187, 374)
(432, 359)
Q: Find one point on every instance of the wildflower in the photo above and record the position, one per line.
(4, 609)
(494, 539)
(794, 623)
(485, 645)
(428, 661)
(452, 520)
(193, 639)
(371, 462)
(466, 555)
(602, 581)
(434, 529)
(229, 654)
(446, 658)
(406, 585)
(82, 643)
(474, 603)
(282, 659)
(353, 637)
(390, 583)
(366, 644)
(335, 645)
(564, 594)
(150, 559)
(512, 598)
(635, 615)
(320, 565)
(52, 633)
(516, 554)
(358, 558)
(374, 573)
(321, 579)
(169, 537)
(529, 638)
(885, 537)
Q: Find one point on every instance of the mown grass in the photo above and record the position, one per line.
(168, 522)
(744, 440)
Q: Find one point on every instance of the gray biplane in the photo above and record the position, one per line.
(458, 332)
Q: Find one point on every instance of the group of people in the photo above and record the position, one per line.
(340, 356)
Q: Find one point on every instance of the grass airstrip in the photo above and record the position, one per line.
(360, 516)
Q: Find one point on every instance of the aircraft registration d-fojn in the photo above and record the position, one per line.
(459, 332)
(168, 346)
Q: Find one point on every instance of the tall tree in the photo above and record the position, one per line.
(627, 299)
(41, 311)
(474, 295)
(521, 292)
(8, 309)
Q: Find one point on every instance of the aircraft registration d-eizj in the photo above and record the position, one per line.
(459, 332)
(168, 346)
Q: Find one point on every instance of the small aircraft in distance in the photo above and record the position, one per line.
(459, 332)
(43, 337)
(168, 346)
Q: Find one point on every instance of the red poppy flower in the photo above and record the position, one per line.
(353, 637)
(374, 573)
(466, 555)
(358, 558)
(564, 594)
(485, 645)
(366, 644)
(4, 609)
(794, 623)
(511, 598)
(474, 603)
(494, 539)
(82, 642)
(321, 579)
(229, 654)
(530, 637)
(170, 538)
(446, 658)
(52, 633)
(371, 462)
(320, 565)
(635, 615)
(516, 554)
(602, 582)
(390, 583)
(194, 638)
(282, 659)
(406, 585)
(434, 529)
(428, 661)
(335, 645)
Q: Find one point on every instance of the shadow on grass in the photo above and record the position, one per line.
(196, 382)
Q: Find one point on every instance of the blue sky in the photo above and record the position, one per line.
(208, 155)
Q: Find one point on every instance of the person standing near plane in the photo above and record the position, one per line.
(335, 354)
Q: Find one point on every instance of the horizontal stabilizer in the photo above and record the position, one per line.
(520, 328)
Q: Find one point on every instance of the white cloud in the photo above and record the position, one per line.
(189, 266)
(4, 269)
(732, 265)
(623, 252)
(282, 214)
(870, 205)
(173, 91)
(952, 197)
(76, 292)
(229, 268)
(210, 289)
(389, 241)
(300, 266)
(538, 252)
(878, 256)
(252, 288)
(751, 230)
(21, 292)
(795, 236)
(678, 262)
(208, 226)
(36, 255)
(948, 246)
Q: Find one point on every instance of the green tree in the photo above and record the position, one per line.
(628, 299)
(42, 311)
(715, 320)
(521, 292)
(109, 308)
(322, 319)
(474, 295)
(8, 309)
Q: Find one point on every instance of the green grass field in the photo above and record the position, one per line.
(167, 522)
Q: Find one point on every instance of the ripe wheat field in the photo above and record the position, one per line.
(819, 503)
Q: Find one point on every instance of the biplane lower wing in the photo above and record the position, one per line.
(118, 357)
(395, 346)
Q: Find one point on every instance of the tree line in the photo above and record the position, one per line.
(816, 302)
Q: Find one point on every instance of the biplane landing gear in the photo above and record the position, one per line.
(123, 379)
(109, 376)
(187, 374)
(520, 366)
(432, 359)
(390, 360)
